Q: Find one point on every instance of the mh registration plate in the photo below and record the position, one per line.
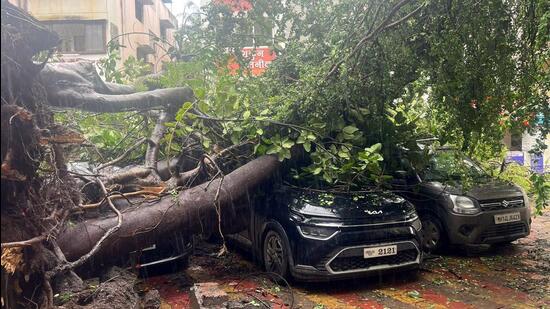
(509, 217)
(379, 251)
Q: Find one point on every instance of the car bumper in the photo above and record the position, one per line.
(341, 260)
(308, 273)
(481, 228)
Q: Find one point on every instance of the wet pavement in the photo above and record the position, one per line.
(511, 276)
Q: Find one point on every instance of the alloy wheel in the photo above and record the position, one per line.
(274, 253)
(432, 235)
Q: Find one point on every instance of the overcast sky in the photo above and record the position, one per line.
(179, 6)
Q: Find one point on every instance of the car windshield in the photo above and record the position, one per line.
(451, 164)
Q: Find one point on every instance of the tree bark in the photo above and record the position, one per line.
(78, 85)
(192, 211)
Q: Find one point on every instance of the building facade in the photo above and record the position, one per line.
(143, 28)
(519, 145)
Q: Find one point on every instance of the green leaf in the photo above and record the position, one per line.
(307, 146)
(414, 294)
(327, 177)
(200, 93)
(287, 144)
(343, 154)
(183, 110)
(374, 148)
(246, 114)
(273, 149)
(316, 171)
(349, 129)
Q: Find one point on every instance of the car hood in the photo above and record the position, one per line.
(492, 189)
(352, 206)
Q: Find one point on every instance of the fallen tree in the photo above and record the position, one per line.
(345, 90)
(40, 193)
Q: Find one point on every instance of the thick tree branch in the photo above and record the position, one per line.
(154, 142)
(195, 211)
(77, 85)
(108, 103)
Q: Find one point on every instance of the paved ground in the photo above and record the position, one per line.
(514, 276)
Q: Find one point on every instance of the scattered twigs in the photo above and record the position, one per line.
(24, 243)
(188, 177)
(274, 277)
(156, 191)
(122, 156)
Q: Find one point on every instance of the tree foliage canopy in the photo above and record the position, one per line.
(355, 80)
(359, 73)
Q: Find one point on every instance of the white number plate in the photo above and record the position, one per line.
(509, 217)
(379, 251)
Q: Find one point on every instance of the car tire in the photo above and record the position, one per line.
(275, 252)
(433, 235)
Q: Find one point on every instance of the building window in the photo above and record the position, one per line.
(80, 36)
(163, 31)
(515, 142)
(139, 10)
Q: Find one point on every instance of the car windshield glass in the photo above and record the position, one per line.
(451, 164)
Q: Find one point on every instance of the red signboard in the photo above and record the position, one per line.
(260, 59)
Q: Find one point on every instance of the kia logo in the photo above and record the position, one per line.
(505, 203)
(373, 212)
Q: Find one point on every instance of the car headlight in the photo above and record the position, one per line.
(463, 205)
(417, 224)
(317, 232)
(525, 198)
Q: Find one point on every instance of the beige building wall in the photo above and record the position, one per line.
(93, 23)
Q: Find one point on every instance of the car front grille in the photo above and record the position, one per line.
(504, 230)
(499, 204)
(356, 263)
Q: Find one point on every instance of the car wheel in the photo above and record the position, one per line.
(275, 253)
(432, 234)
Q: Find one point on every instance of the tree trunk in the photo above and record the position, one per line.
(192, 211)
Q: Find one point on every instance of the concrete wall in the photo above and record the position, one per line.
(68, 9)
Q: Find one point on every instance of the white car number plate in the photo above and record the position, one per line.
(509, 217)
(379, 251)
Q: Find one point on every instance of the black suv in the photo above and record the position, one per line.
(314, 236)
(460, 204)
